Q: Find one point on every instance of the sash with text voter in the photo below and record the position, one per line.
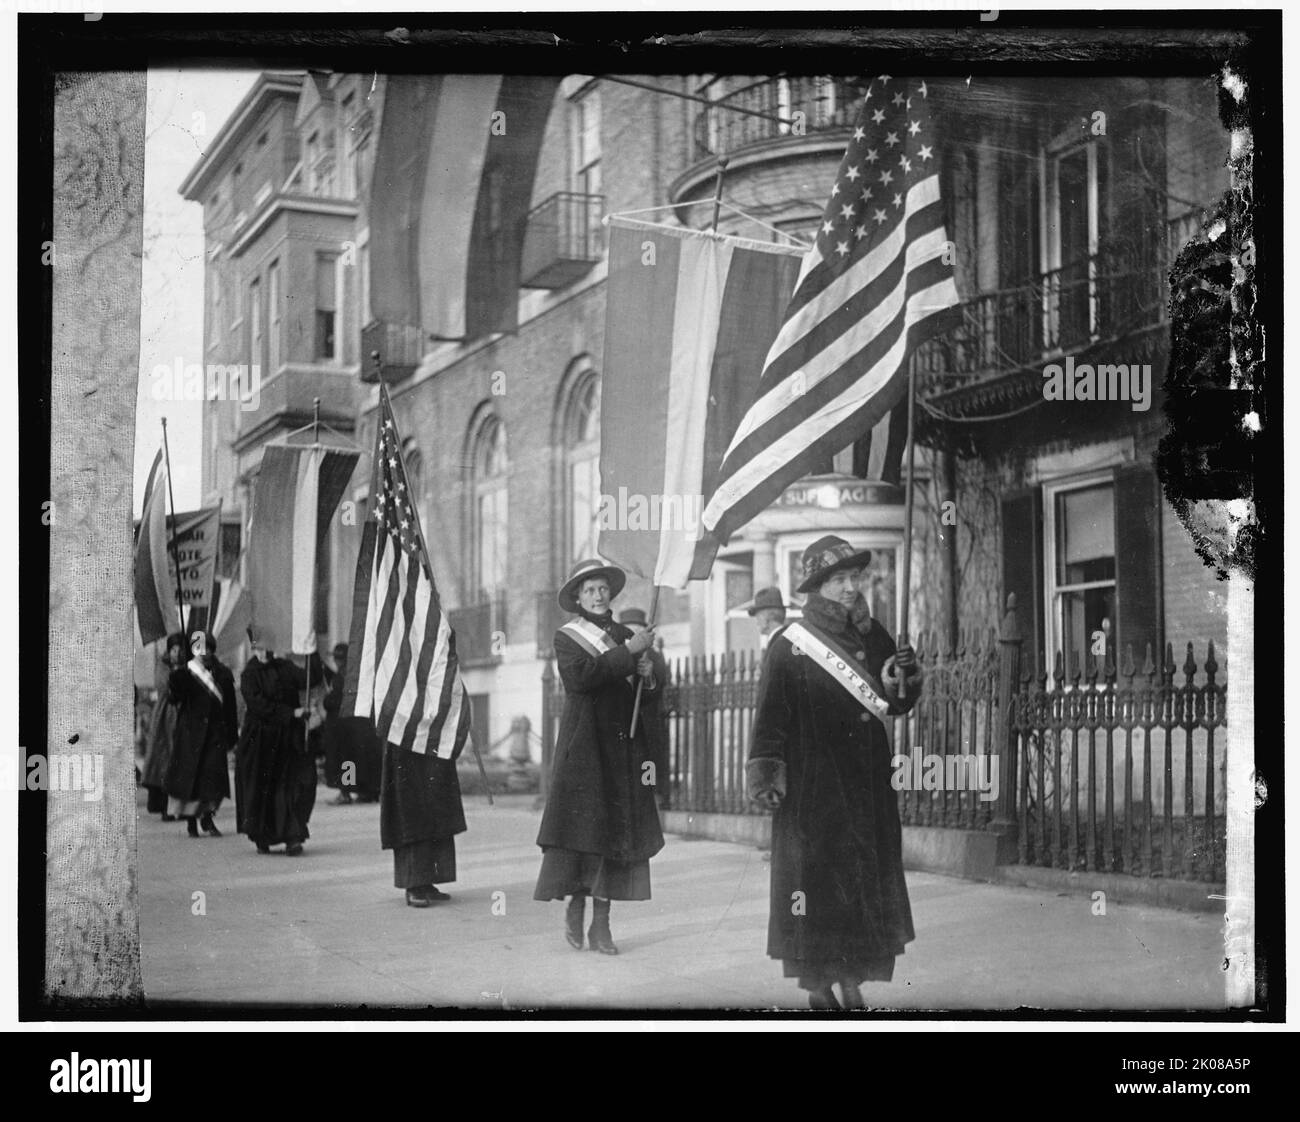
(591, 639)
(844, 669)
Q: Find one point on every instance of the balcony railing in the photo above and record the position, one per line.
(396, 347)
(1119, 290)
(480, 631)
(563, 239)
(807, 104)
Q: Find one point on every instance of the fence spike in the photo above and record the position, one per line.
(1211, 667)
(1129, 668)
(1189, 666)
(1058, 669)
(1149, 666)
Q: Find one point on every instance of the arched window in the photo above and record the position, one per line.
(415, 480)
(582, 468)
(490, 512)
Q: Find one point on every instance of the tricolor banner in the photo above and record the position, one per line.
(453, 178)
(294, 497)
(155, 580)
(689, 320)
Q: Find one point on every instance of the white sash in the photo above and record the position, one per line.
(838, 665)
(588, 636)
(202, 673)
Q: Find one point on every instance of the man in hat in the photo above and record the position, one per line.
(768, 611)
(820, 760)
(601, 826)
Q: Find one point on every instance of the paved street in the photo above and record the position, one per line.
(329, 929)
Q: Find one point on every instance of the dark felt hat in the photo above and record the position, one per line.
(828, 556)
(585, 570)
(766, 598)
(633, 615)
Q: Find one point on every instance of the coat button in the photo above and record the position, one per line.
(864, 717)
(859, 655)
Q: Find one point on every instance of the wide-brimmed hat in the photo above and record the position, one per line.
(585, 570)
(766, 598)
(633, 615)
(828, 556)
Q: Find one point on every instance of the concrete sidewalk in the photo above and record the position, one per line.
(328, 929)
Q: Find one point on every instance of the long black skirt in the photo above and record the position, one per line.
(276, 789)
(566, 872)
(425, 862)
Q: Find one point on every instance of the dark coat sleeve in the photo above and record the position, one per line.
(774, 722)
(229, 709)
(583, 672)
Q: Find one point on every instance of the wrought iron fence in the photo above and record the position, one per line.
(1081, 768)
(1105, 750)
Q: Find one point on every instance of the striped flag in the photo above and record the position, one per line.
(294, 496)
(155, 581)
(403, 672)
(453, 178)
(870, 290)
(689, 319)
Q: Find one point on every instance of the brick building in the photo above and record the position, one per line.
(1067, 202)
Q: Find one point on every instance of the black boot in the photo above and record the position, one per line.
(823, 998)
(598, 937)
(192, 825)
(209, 827)
(573, 916)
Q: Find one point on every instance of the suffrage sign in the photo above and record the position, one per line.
(197, 539)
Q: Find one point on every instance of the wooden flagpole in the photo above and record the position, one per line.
(176, 557)
(428, 570)
(640, 682)
(905, 587)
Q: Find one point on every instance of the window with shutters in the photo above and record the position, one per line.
(1074, 191)
(1081, 576)
(1083, 556)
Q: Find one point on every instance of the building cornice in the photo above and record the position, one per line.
(302, 204)
(267, 87)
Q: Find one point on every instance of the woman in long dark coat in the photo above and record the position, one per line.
(198, 776)
(820, 759)
(601, 826)
(162, 728)
(275, 771)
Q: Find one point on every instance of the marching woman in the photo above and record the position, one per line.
(275, 771)
(820, 760)
(601, 826)
(162, 728)
(198, 775)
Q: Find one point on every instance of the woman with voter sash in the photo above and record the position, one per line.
(601, 826)
(820, 761)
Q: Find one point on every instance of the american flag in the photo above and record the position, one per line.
(868, 293)
(402, 667)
